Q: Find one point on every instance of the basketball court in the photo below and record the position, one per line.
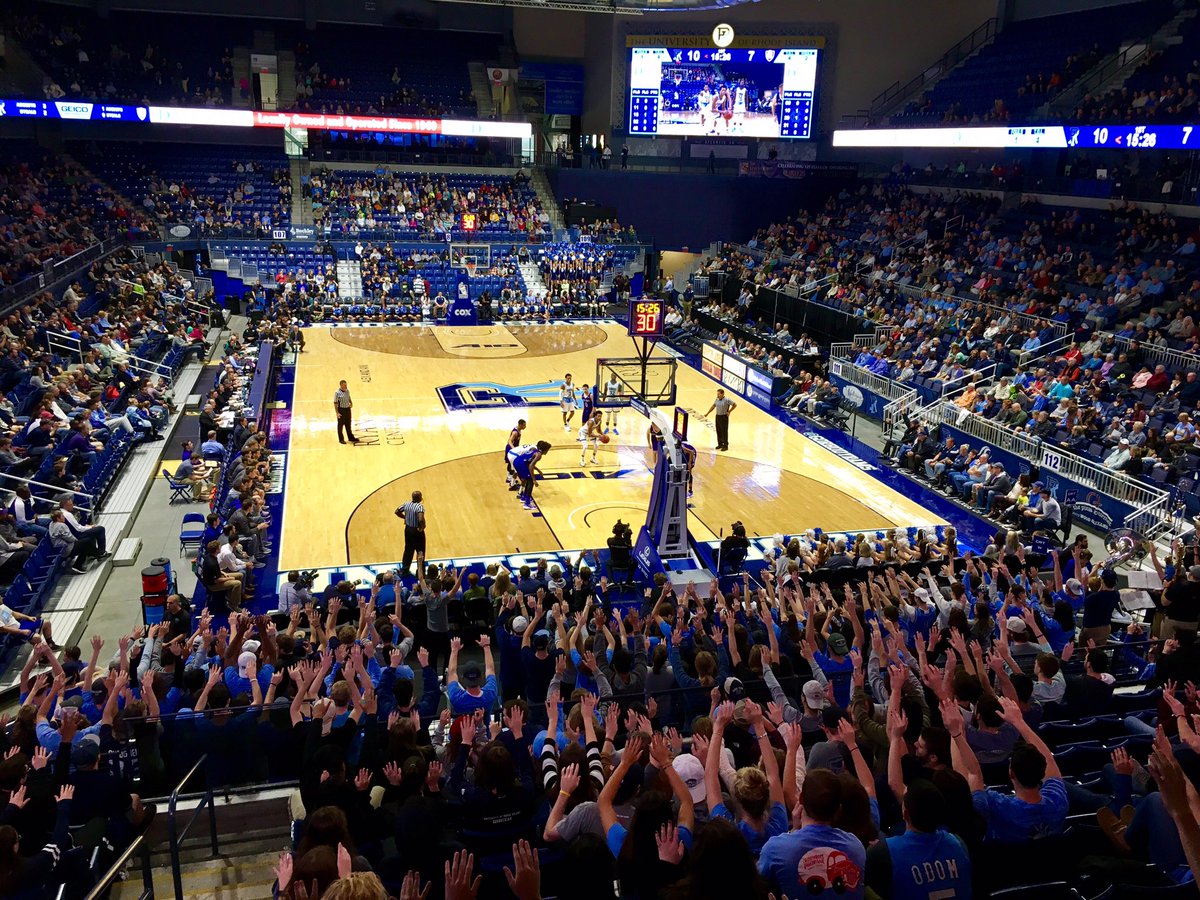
(433, 407)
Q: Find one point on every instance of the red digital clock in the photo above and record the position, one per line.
(646, 317)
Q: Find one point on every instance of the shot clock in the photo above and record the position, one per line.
(646, 317)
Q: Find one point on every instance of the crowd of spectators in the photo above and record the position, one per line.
(877, 712)
(421, 205)
(51, 208)
(90, 58)
(319, 92)
(217, 192)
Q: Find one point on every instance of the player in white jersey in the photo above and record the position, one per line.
(704, 105)
(566, 399)
(612, 393)
(589, 433)
(739, 107)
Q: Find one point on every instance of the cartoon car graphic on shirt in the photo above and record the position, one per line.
(827, 869)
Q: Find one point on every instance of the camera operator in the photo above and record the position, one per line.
(294, 592)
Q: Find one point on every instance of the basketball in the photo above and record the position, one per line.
(604, 438)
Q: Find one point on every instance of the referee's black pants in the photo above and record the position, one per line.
(722, 424)
(414, 542)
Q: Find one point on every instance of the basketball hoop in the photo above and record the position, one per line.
(470, 266)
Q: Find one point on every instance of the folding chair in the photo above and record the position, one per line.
(189, 537)
(180, 490)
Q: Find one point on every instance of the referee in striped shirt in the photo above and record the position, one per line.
(413, 514)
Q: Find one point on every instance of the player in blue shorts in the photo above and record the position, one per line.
(514, 441)
(524, 462)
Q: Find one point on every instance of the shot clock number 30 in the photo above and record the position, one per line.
(646, 318)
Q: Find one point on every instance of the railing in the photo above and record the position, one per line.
(58, 342)
(977, 377)
(52, 275)
(1025, 320)
(900, 408)
(1145, 499)
(1050, 348)
(114, 874)
(175, 835)
(896, 92)
(884, 387)
(1153, 519)
(57, 489)
(1174, 360)
(144, 366)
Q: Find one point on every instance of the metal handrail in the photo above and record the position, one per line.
(53, 487)
(175, 835)
(982, 36)
(101, 887)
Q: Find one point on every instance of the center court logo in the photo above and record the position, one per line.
(493, 395)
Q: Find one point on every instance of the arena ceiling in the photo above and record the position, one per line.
(612, 7)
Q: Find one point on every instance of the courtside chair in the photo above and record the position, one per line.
(180, 490)
(191, 531)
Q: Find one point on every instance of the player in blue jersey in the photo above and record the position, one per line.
(567, 400)
(589, 403)
(514, 441)
(524, 461)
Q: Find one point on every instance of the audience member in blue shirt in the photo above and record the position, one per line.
(471, 688)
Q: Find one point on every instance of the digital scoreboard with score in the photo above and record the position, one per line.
(646, 317)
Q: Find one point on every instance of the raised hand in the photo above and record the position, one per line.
(670, 847)
(526, 881)
(568, 778)
(410, 888)
(459, 885)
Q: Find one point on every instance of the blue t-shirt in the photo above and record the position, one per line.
(928, 865)
(240, 684)
(839, 674)
(1011, 819)
(777, 823)
(463, 702)
(816, 861)
(617, 834)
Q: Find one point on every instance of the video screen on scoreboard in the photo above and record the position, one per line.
(761, 93)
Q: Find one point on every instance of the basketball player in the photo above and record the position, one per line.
(704, 105)
(566, 399)
(524, 461)
(590, 433)
(612, 391)
(739, 108)
(514, 441)
(589, 403)
(724, 107)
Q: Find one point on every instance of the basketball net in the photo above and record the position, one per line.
(470, 267)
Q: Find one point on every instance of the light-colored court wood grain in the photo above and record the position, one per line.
(340, 499)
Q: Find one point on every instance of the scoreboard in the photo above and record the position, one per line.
(646, 316)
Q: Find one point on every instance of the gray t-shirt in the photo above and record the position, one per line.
(437, 611)
(722, 406)
(829, 755)
(583, 819)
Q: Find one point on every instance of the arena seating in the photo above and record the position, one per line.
(1162, 90)
(201, 187)
(357, 70)
(350, 202)
(1029, 62)
(131, 57)
(51, 209)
